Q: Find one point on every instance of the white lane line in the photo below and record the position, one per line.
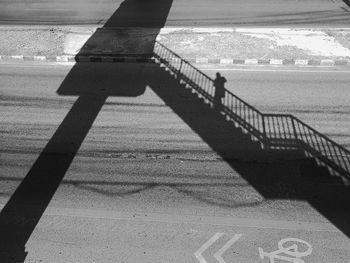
(221, 251)
(206, 245)
(192, 219)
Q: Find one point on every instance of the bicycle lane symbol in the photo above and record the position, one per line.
(293, 253)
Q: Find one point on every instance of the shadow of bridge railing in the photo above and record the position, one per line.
(273, 131)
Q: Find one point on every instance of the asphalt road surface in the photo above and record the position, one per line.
(141, 186)
(305, 13)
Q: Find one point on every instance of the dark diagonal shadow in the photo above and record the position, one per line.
(93, 84)
(26, 206)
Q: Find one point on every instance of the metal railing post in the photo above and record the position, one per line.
(179, 73)
(264, 130)
(295, 131)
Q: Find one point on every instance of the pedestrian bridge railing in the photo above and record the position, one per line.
(274, 131)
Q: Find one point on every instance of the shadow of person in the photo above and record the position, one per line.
(219, 84)
(93, 84)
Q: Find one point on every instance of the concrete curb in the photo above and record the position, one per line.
(135, 59)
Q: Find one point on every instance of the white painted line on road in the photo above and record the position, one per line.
(221, 251)
(192, 219)
(290, 253)
(205, 246)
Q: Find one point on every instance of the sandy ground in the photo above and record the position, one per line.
(236, 43)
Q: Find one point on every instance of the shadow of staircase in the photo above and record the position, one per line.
(279, 155)
(271, 136)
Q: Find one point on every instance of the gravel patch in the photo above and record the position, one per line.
(188, 43)
(229, 45)
(29, 41)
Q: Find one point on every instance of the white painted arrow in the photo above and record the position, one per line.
(218, 254)
(222, 250)
(207, 244)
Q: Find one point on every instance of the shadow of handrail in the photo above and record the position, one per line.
(273, 131)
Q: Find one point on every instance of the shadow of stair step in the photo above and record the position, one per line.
(311, 171)
(223, 128)
(283, 155)
(243, 152)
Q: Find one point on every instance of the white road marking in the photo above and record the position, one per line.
(221, 251)
(290, 253)
(206, 245)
